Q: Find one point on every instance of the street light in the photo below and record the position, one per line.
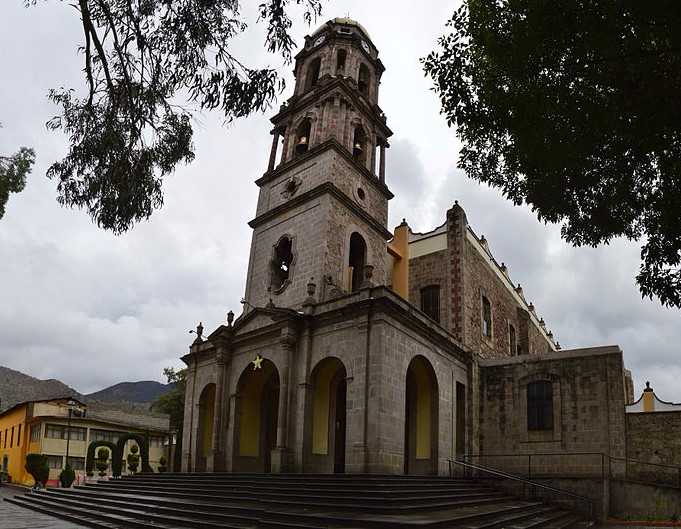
(74, 409)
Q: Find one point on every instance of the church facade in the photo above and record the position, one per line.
(365, 350)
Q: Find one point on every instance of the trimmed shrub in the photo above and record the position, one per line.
(36, 466)
(102, 461)
(67, 477)
(133, 459)
(162, 464)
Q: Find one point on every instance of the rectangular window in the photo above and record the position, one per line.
(55, 431)
(104, 435)
(55, 462)
(430, 302)
(540, 405)
(11, 439)
(486, 317)
(512, 341)
(19, 436)
(77, 463)
(35, 433)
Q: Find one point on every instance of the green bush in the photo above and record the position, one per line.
(67, 477)
(36, 465)
(102, 461)
(162, 464)
(133, 459)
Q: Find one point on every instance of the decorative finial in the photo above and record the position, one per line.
(230, 318)
(270, 304)
(648, 388)
(199, 331)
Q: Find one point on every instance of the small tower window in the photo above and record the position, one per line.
(363, 80)
(359, 145)
(281, 263)
(486, 317)
(313, 73)
(303, 137)
(358, 258)
(512, 340)
(340, 62)
(430, 302)
(540, 405)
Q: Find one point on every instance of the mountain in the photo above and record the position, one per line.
(144, 391)
(16, 387)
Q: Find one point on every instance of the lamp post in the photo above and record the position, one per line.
(74, 409)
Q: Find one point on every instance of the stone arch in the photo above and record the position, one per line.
(327, 416)
(143, 444)
(358, 251)
(257, 403)
(204, 437)
(313, 72)
(421, 418)
(115, 458)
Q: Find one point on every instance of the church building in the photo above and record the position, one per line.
(366, 350)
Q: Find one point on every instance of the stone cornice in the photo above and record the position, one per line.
(316, 94)
(322, 189)
(370, 178)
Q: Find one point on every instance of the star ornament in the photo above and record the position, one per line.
(257, 362)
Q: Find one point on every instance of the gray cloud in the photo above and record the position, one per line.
(92, 309)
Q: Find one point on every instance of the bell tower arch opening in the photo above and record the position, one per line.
(302, 137)
(357, 260)
(341, 58)
(312, 73)
(364, 79)
(421, 418)
(359, 145)
(256, 417)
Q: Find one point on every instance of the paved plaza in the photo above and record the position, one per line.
(13, 517)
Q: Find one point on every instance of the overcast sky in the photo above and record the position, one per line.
(92, 309)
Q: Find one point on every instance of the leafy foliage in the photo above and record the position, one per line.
(133, 459)
(573, 108)
(102, 460)
(13, 171)
(37, 466)
(67, 477)
(142, 58)
(172, 403)
(162, 464)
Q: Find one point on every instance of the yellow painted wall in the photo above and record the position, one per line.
(399, 247)
(15, 451)
(207, 404)
(648, 401)
(424, 402)
(321, 406)
(250, 402)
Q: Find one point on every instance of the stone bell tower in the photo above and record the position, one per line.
(323, 205)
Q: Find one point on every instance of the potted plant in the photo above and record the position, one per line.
(102, 461)
(36, 465)
(67, 477)
(162, 464)
(133, 459)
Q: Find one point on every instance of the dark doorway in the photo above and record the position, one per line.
(460, 419)
(339, 440)
(421, 432)
(269, 416)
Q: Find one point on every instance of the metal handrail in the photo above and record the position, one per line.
(588, 501)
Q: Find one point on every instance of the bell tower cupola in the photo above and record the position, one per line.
(323, 204)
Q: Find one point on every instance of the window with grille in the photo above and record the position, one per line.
(486, 317)
(104, 435)
(55, 462)
(540, 405)
(77, 463)
(35, 433)
(430, 301)
(58, 431)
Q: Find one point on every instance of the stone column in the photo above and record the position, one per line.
(218, 454)
(273, 152)
(280, 453)
(188, 427)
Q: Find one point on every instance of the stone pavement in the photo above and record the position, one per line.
(13, 517)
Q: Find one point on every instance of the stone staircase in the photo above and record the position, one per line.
(245, 501)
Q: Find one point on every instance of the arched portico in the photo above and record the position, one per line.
(421, 418)
(204, 439)
(257, 403)
(327, 417)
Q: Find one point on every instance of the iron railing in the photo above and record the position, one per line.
(592, 465)
(529, 489)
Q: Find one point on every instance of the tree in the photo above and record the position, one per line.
(147, 64)
(133, 459)
(172, 403)
(573, 108)
(13, 171)
(67, 476)
(102, 461)
(38, 467)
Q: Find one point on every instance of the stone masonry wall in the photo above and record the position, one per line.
(427, 270)
(654, 437)
(588, 398)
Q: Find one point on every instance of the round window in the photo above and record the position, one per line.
(361, 194)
